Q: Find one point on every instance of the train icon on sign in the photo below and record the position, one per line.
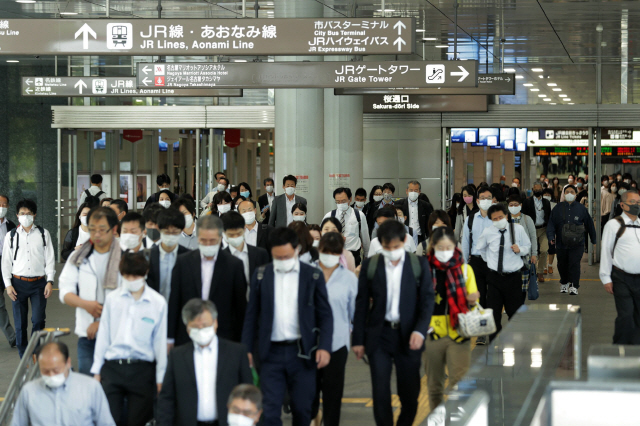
(119, 36)
(99, 86)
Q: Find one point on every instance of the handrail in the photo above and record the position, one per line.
(27, 369)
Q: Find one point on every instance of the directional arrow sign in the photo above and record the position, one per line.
(399, 41)
(146, 81)
(146, 70)
(29, 81)
(368, 74)
(29, 90)
(80, 84)
(206, 37)
(463, 73)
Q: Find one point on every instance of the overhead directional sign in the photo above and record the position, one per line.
(195, 37)
(423, 103)
(488, 84)
(109, 86)
(309, 74)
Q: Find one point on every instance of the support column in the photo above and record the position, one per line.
(299, 118)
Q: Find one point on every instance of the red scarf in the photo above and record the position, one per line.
(455, 285)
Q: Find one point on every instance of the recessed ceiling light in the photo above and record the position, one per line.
(551, 84)
(571, 103)
(12, 61)
(25, 1)
(557, 89)
(510, 70)
(68, 13)
(429, 38)
(239, 60)
(563, 96)
(518, 77)
(419, 30)
(537, 70)
(566, 99)
(547, 99)
(535, 90)
(528, 85)
(541, 76)
(386, 10)
(542, 96)
(442, 46)
(553, 103)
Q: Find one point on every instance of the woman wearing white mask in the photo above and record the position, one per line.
(316, 234)
(456, 292)
(342, 288)
(299, 212)
(164, 200)
(618, 189)
(221, 204)
(189, 236)
(375, 197)
(77, 235)
(331, 224)
(437, 219)
(515, 212)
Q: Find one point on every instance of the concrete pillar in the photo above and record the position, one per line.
(299, 117)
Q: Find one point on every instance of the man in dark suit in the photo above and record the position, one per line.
(393, 330)
(539, 210)
(416, 211)
(266, 199)
(251, 256)
(163, 256)
(255, 234)
(290, 316)
(164, 183)
(281, 214)
(6, 226)
(189, 396)
(210, 274)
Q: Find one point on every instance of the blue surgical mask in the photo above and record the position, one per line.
(245, 194)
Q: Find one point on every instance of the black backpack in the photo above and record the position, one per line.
(86, 191)
(623, 228)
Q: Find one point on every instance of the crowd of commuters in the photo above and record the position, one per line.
(178, 314)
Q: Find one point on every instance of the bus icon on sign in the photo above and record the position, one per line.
(119, 36)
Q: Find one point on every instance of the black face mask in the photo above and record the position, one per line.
(634, 209)
(537, 194)
(153, 233)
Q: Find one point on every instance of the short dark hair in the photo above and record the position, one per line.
(246, 185)
(390, 230)
(170, 217)
(387, 211)
(373, 191)
(96, 178)
(548, 191)
(602, 178)
(497, 208)
(134, 264)
(100, 212)
(218, 173)
(232, 220)
(60, 346)
(301, 206)
(150, 214)
(305, 240)
(570, 187)
(483, 189)
(435, 215)
(247, 393)
(283, 236)
(5, 196)
(361, 192)
(390, 187)
(220, 197)
(333, 220)
(163, 179)
(28, 204)
(580, 179)
(267, 180)
(233, 189)
(289, 177)
(121, 204)
(342, 190)
(571, 175)
(514, 198)
(134, 217)
(314, 227)
(226, 180)
(331, 242)
(627, 176)
(186, 203)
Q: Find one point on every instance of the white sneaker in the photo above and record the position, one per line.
(564, 288)
(573, 291)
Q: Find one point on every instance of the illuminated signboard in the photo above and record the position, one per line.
(607, 151)
(489, 137)
(464, 135)
(508, 139)
(521, 140)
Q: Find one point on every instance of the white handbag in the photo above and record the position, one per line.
(477, 322)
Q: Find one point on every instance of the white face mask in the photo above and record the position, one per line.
(628, 181)
(26, 220)
(284, 265)
(401, 219)
(202, 336)
(547, 197)
(129, 241)
(224, 208)
(239, 420)
(343, 207)
(515, 210)
(514, 185)
(329, 260)
(221, 187)
(413, 196)
(270, 188)
(235, 242)
(570, 197)
(134, 285)
(316, 243)
(299, 218)
(485, 204)
(165, 203)
(500, 224)
(249, 217)
(393, 255)
(444, 255)
(605, 182)
(169, 240)
(290, 191)
(83, 220)
(3, 212)
(359, 204)
(614, 189)
(377, 198)
(570, 180)
(54, 381)
(209, 251)
(188, 220)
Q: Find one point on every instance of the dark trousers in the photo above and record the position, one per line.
(603, 221)
(284, 370)
(135, 382)
(5, 323)
(504, 290)
(626, 292)
(569, 265)
(357, 257)
(392, 349)
(26, 291)
(330, 382)
(480, 270)
(86, 349)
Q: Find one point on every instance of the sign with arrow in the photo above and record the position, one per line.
(367, 74)
(109, 87)
(205, 37)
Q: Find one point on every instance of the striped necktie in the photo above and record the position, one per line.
(342, 222)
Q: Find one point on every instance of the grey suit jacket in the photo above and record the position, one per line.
(278, 216)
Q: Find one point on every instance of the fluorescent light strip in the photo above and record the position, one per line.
(557, 89)
(510, 70)
(68, 13)
(551, 84)
(566, 99)
(429, 38)
(25, 1)
(537, 70)
(535, 90)
(542, 96)
(442, 46)
(562, 96)
(528, 85)
(12, 61)
(419, 30)
(547, 100)
(519, 77)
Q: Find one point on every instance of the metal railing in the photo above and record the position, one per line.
(27, 369)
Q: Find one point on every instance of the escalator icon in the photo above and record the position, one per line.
(435, 74)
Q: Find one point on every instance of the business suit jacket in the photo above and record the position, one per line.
(178, 400)
(278, 216)
(314, 312)
(529, 208)
(257, 257)
(264, 234)
(153, 278)
(416, 304)
(263, 201)
(424, 211)
(228, 292)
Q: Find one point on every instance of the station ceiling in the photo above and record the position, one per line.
(548, 44)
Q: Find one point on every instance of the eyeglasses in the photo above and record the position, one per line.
(632, 204)
(101, 230)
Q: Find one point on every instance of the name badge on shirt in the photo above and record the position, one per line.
(148, 320)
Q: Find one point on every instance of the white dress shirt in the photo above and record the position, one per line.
(270, 198)
(251, 235)
(413, 217)
(394, 280)
(32, 260)
(376, 247)
(149, 243)
(286, 324)
(489, 243)
(289, 205)
(135, 329)
(539, 211)
(206, 271)
(206, 365)
(354, 239)
(627, 249)
(244, 256)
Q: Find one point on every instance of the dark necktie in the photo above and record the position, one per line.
(343, 224)
(501, 255)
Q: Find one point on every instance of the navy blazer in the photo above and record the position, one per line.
(416, 304)
(314, 313)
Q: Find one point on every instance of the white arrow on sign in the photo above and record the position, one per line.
(399, 25)
(399, 41)
(85, 30)
(146, 81)
(463, 73)
(29, 81)
(29, 90)
(146, 69)
(81, 84)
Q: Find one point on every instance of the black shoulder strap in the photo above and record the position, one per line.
(14, 231)
(470, 225)
(359, 222)
(512, 228)
(333, 213)
(44, 240)
(623, 228)
(88, 194)
(99, 193)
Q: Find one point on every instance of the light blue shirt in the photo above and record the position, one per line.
(479, 225)
(167, 262)
(342, 288)
(135, 329)
(189, 241)
(79, 401)
(489, 243)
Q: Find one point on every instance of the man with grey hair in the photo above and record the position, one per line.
(208, 273)
(539, 210)
(202, 373)
(416, 211)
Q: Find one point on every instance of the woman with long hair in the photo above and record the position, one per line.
(468, 207)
